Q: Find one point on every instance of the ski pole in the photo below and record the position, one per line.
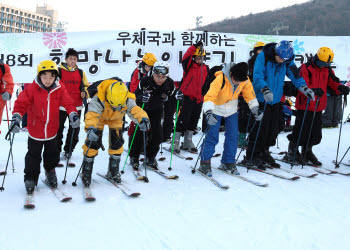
(200, 153)
(7, 137)
(8, 126)
(74, 183)
(248, 132)
(341, 160)
(312, 123)
(340, 129)
(301, 129)
(172, 143)
(69, 155)
(132, 141)
(145, 152)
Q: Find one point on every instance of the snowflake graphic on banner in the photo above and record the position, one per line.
(55, 40)
(298, 47)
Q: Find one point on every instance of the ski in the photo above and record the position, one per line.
(294, 178)
(29, 201)
(179, 155)
(58, 193)
(214, 181)
(139, 176)
(161, 173)
(2, 172)
(256, 183)
(294, 172)
(125, 190)
(342, 163)
(87, 194)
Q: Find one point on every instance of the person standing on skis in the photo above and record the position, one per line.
(6, 86)
(195, 73)
(220, 102)
(108, 107)
(41, 101)
(319, 76)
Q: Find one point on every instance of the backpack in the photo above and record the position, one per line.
(210, 78)
(92, 89)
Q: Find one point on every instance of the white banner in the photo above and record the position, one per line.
(104, 54)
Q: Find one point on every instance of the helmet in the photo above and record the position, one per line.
(46, 66)
(325, 54)
(259, 44)
(284, 50)
(161, 68)
(149, 59)
(117, 94)
(199, 52)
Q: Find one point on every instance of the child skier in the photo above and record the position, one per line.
(108, 107)
(41, 101)
(143, 69)
(6, 86)
(153, 92)
(220, 102)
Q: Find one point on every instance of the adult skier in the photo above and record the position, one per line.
(6, 86)
(319, 76)
(108, 107)
(41, 101)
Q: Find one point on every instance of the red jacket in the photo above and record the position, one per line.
(193, 77)
(136, 78)
(6, 81)
(42, 107)
(316, 77)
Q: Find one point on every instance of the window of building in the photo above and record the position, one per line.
(7, 9)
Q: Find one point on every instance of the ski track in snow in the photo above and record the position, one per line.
(188, 213)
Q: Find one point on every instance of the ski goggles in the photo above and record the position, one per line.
(161, 70)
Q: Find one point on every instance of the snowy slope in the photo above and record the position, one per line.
(189, 213)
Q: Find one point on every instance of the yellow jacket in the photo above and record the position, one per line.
(100, 112)
(224, 102)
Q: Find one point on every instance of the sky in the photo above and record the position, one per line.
(156, 14)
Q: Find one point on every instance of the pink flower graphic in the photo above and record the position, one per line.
(55, 40)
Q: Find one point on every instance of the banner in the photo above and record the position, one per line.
(104, 54)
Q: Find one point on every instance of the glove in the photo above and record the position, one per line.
(145, 125)
(307, 92)
(258, 114)
(179, 95)
(209, 116)
(146, 97)
(6, 96)
(344, 90)
(199, 44)
(74, 120)
(318, 91)
(268, 95)
(92, 134)
(15, 123)
(164, 97)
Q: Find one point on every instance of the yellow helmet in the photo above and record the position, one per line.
(259, 44)
(199, 52)
(117, 94)
(149, 59)
(325, 54)
(47, 65)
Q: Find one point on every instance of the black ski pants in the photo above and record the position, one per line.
(168, 121)
(243, 116)
(269, 130)
(154, 136)
(316, 130)
(63, 117)
(33, 157)
(189, 115)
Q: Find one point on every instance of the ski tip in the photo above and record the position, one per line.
(188, 158)
(71, 165)
(161, 159)
(173, 177)
(295, 178)
(65, 199)
(90, 199)
(59, 165)
(29, 206)
(264, 185)
(312, 176)
(134, 195)
(225, 187)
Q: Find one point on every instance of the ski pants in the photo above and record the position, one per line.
(333, 112)
(316, 130)
(168, 121)
(270, 127)
(189, 115)
(231, 138)
(244, 116)
(71, 132)
(33, 157)
(154, 137)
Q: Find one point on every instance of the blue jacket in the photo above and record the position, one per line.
(272, 74)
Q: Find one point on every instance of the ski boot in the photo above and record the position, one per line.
(309, 156)
(242, 143)
(152, 163)
(134, 162)
(188, 144)
(293, 149)
(269, 160)
(205, 168)
(229, 167)
(51, 178)
(113, 168)
(177, 142)
(87, 171)
(30, 185)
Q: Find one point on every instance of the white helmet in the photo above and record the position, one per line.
(161, 68)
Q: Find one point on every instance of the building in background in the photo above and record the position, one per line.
(16, 20)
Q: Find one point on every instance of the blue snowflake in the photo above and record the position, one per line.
(298, 47)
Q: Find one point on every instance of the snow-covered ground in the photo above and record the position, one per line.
(188, 213)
